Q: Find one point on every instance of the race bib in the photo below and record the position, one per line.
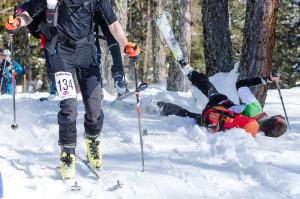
(65, 85)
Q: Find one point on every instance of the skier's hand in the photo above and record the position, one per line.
(13, 24)
(132, 51)
(275, 79)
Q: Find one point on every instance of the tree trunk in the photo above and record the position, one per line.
(217, 43)
(258, 43)
(148, 42)
(158, 55)
(181, 19)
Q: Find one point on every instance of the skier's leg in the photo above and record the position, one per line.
(68, 107)
(167, 109)
(68, 161)
(202, 83)
(208, 89)
(66, 116)
(89, 78)
(67, 121)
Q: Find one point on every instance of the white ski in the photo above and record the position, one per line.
(165, 28)
(109, 180)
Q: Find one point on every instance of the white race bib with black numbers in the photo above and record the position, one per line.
(65, 85)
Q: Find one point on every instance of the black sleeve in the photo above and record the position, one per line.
(167, 109)
(202, 83)
(35, 7)
(105, 7)
(106, 32)
(250, 82)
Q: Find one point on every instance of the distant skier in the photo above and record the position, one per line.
(6, 72)
(221, 113)
(3, 78)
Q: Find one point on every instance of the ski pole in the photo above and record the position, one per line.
(138, 109)
(14, 126)
(283, 106)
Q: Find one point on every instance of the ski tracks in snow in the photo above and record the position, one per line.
(182, 160)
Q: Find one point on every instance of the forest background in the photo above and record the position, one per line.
(262, 35)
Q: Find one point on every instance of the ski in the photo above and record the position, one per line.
(86, 163)
(110, 181)
(165, 28)
(125, 95)
(120, 104)
(141, 87)
(47, 98)
(44, 99)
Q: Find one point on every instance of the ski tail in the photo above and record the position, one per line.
(165, 28)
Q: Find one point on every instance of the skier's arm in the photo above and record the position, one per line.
(118, 33)
(167, 109)
(106, 9)
(244, 92)
(18, 68)
(113, 45)
(251, 82)
(131, 49)
(109, 37)
(26, 13)
(253, 106)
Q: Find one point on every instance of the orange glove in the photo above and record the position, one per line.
(132, 51)
(12, 24)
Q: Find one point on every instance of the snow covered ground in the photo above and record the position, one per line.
(182, 160)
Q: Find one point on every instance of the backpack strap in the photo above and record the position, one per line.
(219, 115)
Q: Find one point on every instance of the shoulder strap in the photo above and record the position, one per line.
(224, 116)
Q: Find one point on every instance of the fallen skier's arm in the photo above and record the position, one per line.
(167, 109)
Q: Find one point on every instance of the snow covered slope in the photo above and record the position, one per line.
(182, 160)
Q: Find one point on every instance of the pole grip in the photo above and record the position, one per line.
(11, 19)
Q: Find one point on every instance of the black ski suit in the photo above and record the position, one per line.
(217, 99)
(200, 81)
(75, 53)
